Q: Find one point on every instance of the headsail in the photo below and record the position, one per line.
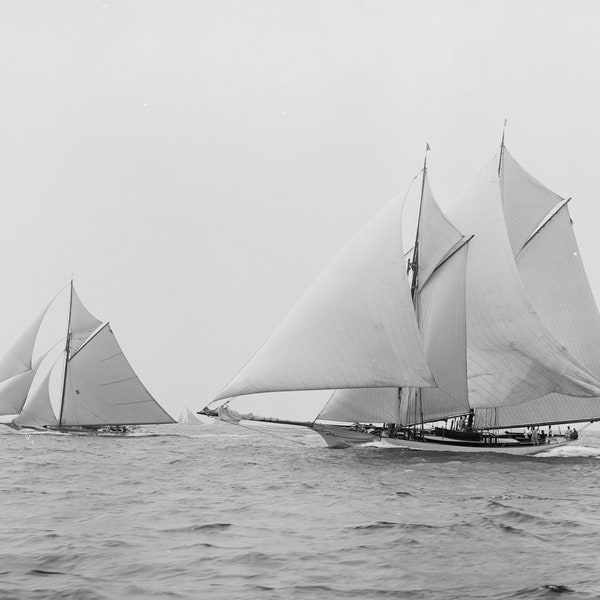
(354, 328)
(440, 305)
(372, 405)
(17, 369)
(42, 405)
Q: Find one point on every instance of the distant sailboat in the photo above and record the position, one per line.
(499, 329)
(187, 417)
(80, 381)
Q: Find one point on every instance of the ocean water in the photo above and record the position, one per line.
(263, 512)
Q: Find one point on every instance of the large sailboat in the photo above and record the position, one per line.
(491, 325)
(68, 373)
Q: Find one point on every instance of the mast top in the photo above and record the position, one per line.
(502, 147)
(427, 149)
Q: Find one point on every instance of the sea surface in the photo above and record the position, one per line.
(219, 511)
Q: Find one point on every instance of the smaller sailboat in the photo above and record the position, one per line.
(73, 377)
(187, 417)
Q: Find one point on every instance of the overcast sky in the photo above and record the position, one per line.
(196, 164)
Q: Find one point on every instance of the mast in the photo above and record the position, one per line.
(67, 351)
(500, 159)
(414, 265)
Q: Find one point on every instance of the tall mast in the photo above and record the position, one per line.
(414, 263)
(502, 148)
(67, 351)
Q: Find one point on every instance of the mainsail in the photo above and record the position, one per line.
(554, 277)
(512, 357)
(85, 381)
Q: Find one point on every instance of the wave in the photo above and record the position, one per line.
(571, 452)
(205, 527)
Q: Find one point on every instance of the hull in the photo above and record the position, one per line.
(340, 436)
(104, 431)
(433, 443)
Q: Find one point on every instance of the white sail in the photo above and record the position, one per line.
(512, 357)
(525, 201)
(18, 359)
(442, 316)
(187, 417)
(17, 369)
(102, 388)
(371, 405)
(83, 323)
(13, 392)
(438, 237)
(440, 309)
(354, 328)
(42, 406)
(555, 279)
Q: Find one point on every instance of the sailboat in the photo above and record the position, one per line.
(69, 374)
(491, 325)
(187, 417)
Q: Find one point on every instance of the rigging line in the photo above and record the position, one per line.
(265, 432)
